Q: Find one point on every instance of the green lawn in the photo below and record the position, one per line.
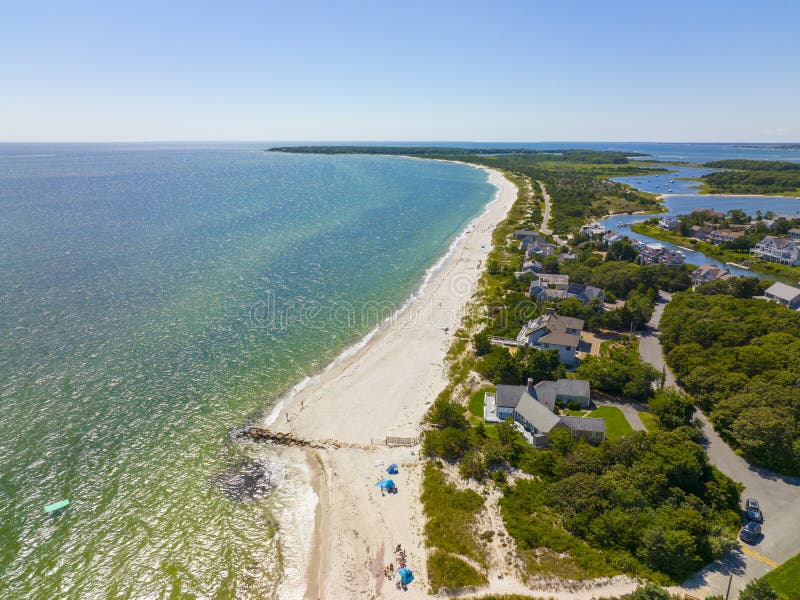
(616, 423)
(649, 420)
(476, 401)
(785, 580)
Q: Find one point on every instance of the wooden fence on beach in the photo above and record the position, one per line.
(402, 441)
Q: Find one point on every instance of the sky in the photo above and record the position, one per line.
(376, 70)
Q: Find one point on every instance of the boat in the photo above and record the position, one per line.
(56, 506)
(685, 248)
(672, 181)
(620, 224)
(670, 190)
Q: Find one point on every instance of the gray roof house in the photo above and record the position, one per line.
(551, 331)
(709, 273)
(783, 294)
(532, 407)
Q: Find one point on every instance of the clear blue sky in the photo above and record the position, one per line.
(405, 70)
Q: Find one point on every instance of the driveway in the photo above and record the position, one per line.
(779, 497)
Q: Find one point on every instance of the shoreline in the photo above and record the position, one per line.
(382, 385)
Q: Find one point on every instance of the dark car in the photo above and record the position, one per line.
(750, 532)
(753, 510)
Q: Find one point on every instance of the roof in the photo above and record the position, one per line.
(546, 391)
(584, 424)
(780, 290)
(554, 279)
(559, 338)
(507, 396)
(537, 414)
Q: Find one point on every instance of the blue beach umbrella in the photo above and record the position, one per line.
(385, 484)
(406, 576)
(392, 470)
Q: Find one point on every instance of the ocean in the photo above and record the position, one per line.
(153, 297)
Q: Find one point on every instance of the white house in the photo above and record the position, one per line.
(783, 250)
(550, 331)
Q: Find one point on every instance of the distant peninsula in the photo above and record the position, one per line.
(768, 146)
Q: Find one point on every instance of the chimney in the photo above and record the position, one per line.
(550, 311)
(530, 383)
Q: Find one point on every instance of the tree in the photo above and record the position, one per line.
(758, 589)
(650, 592)
(483, 345)
(672, 408)
(622, 250)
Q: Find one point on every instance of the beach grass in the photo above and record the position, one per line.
(451, 515)
(785, 580)
(448, 571)
(616, 423)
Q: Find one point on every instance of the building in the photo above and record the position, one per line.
(552, 332)
(783, 294)
(794, 234)
(709, 273)
(783, 250)
(586, 293)
(612, 236)
(710, 212)
(593, 230)
(654, 253)
(699, 233)
(531, 266)
(537, 247)
(721, 236)
(532, 408)
(668, 223)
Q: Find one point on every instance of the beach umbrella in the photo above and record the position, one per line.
(385, 484)
(392, 470)
(406, 576)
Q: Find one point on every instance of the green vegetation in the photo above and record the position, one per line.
(448, 571)
(501, 366)
(616, 423)
(722, 252)
(646, 504)
(785, 580)
(450, 513)
(621, 372)
(752, 177)
(740, 358)
(649, 420)
(475, 405)
(758, 589)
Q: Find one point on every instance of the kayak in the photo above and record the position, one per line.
(56, 506)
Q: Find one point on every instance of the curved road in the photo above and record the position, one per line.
(779, 496)
(545, 228)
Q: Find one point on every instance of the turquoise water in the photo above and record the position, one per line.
(151, 299)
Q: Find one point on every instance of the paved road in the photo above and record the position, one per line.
(779, 497)
(545, 228)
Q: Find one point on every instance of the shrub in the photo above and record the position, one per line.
(448, 571)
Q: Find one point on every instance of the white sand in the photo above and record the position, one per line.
(385, 389)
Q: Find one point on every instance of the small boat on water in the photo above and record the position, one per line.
(684, 248)
(670, 190)
(620, 224)
(56, 506)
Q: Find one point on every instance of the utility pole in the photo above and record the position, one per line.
(728, 593)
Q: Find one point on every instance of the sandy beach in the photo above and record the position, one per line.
(383, 389)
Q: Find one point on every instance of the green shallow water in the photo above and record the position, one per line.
(152, 298)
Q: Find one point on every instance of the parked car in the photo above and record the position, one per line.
(750, 532)
(753, 510)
